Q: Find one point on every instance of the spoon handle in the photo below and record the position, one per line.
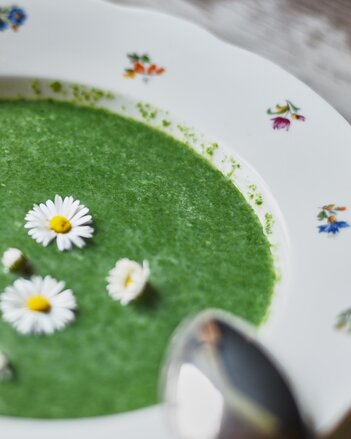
(342, 430)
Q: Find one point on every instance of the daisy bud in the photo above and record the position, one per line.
(127, 280)
(13, 259)
(5, 368)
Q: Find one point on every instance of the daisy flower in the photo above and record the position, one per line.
(5, 368)
(13, 259)
(38, 306)
(127, 280)
(64, 219)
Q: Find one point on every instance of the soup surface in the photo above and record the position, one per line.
(152, 198)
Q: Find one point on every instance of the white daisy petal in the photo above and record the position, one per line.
(127, 280)
(66, 206)
(82, 220)
(52, 208)
(38, 305)
(35, 284)
(42, 239)
(45, 210)
(65, 299)
(34, 223)
(22, 287)
(46, 284)
(63, 316)
(54, 288)
(12, 314)
(65, 242)
(58, 204)
(63, 219)
(77, 240)
(81, 212)
(60, 243)
(36, 213)
(26, 324)
(47, 239)
(45, 325)
(73, 209)
(84, 231)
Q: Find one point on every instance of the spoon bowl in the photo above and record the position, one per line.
(220, 383)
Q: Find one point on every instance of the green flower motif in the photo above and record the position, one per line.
(344, 320)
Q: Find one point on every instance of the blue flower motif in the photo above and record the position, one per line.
(17, 16)
(3, 25)
(333, 227)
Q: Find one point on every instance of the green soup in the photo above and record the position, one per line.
(151, 198)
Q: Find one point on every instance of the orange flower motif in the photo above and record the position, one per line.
(152, 69)
(139, 68)
(129, 74)
(160, 70)
(329, 207)
(142, 65)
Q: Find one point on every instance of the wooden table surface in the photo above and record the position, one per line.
(309, 38)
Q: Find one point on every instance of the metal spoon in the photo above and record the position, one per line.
(220, 383)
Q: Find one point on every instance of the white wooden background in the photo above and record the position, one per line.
(309, 38)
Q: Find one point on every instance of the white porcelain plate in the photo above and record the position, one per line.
(296, 160)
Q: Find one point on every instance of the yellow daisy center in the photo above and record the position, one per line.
(60, 224)
(38, 303)
(129, 280)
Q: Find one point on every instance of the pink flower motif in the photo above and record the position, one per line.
(284, 115)
(280, 123)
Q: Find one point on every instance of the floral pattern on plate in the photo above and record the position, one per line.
(284, 115)
(328, 214)
(11, 17)
(344, 320)
(142, 65)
